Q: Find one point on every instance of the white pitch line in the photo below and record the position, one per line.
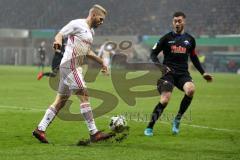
(20, 108)
(135, 120)
(188, 125)
(206, 127)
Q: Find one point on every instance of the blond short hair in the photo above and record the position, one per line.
(96, 8)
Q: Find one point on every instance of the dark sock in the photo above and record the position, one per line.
(158, 110)
(186, 101)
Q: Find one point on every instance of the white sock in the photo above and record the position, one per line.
(47, 118)
(86, 111)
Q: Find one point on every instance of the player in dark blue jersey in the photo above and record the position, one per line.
(58, 55)
(177, 46)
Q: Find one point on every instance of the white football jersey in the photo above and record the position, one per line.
(80, 38)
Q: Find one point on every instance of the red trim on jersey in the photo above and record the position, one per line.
(72, 38)
(194, 53)
(86, 42)
(77, 79)
(72, 66)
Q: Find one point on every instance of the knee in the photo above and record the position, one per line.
(165, 98)
(189, 89)
(83, 97)
(190, 92)
(59, 102)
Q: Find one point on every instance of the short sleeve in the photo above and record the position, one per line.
(68, 29)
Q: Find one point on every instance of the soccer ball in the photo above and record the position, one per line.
(117, 123)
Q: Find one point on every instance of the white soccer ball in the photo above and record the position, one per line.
(117, 123)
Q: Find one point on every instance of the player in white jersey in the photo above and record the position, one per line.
(80, 36)
(105, 53)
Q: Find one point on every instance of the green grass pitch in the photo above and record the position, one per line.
(210, 129)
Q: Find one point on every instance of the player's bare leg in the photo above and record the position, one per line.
(189, 89)
(86, 111)
(49, 116)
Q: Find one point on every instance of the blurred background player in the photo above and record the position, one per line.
(177, 46)
(42, 55)
(58, 55)
(105, 53)
(80, 37)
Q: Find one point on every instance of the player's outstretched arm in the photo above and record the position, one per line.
(164, 69)
(94, 57)
(157, 48)
(198, 66)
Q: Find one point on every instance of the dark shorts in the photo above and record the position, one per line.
(167, 82)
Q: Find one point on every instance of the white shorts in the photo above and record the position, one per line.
(70, 79)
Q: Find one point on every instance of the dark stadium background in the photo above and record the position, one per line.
(210, 129)
(215, 24)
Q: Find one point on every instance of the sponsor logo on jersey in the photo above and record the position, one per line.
(178, 49)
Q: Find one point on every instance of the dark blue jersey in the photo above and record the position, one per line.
(176, 50)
